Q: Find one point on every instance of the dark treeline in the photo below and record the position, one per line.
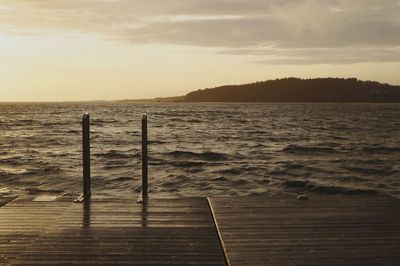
(300, 90)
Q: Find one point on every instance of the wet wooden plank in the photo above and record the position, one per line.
(108, 231)
(5, 200)
(329, 230)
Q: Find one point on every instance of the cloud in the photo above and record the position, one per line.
(338, 56)
(280, 32)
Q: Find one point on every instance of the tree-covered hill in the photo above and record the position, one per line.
(300, 90)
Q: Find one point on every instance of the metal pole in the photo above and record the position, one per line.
(86, 154)
(145, 184)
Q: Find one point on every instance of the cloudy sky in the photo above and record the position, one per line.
(118, 49)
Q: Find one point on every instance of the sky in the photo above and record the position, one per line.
(58, 50)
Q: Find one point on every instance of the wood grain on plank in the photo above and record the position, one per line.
(108, 231)
(329, 230)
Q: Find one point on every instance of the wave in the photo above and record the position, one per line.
(156, 142)
(293, 165)
(194, 121)
(206, 156)
(377, 171)
(117, 163)
(55, 142)
(56, 123)
(122, 178)
(42, 170)
(72, 131)
(101, 121)
(221, 179)
(36, 190)
(315, 150)
(310, 186)
(18, 171)
(175, 181)
(177, 119)
(10, 171)
(381, 149)
(230, 171)
(114, 154)
(188, 164)
(26, 122)
(13, 160)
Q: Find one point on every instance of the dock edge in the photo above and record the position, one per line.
(221, 241)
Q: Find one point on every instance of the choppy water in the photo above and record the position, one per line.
(203, 149)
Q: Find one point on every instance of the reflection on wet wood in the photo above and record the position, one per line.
(330, 230)
(108, 231)
(5, 200)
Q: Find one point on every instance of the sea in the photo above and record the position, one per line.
(202, 149)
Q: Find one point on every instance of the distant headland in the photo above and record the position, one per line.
(296, 90)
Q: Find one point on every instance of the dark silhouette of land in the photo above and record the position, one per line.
(300, 90)
(293, 90)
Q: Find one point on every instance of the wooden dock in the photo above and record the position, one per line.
(329, 230)
(108, 231)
